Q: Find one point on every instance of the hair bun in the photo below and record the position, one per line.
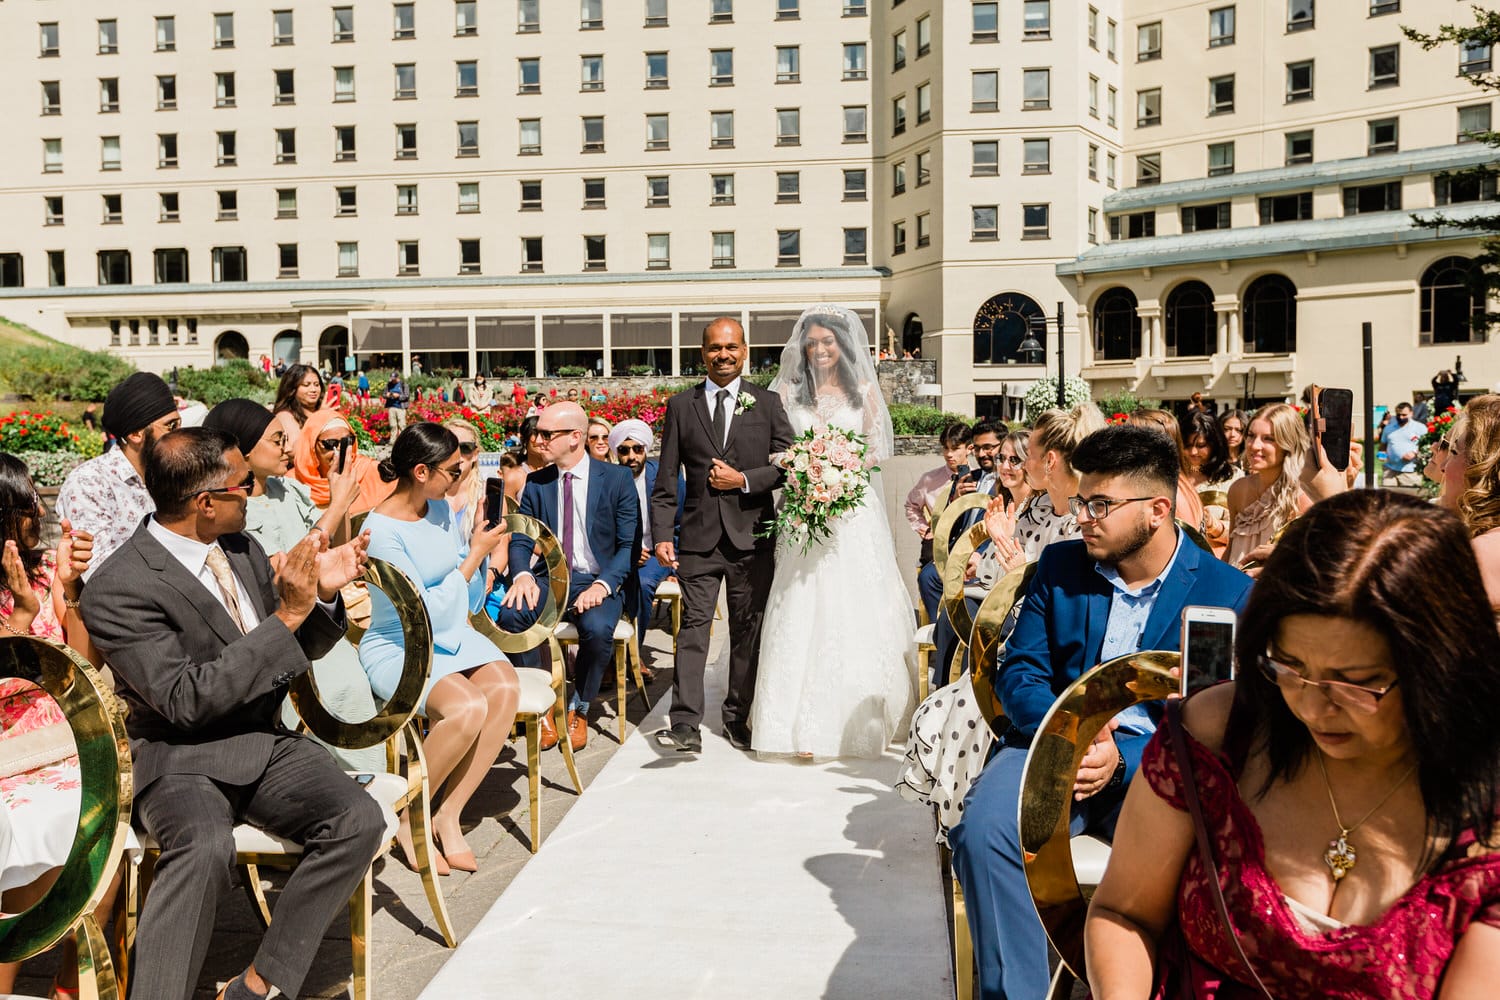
(387, 470)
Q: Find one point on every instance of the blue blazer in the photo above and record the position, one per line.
(653, 467)
(612, 516)
(1060, 631)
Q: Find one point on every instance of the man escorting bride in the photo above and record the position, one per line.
(828, 674)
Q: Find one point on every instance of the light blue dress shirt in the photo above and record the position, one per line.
(1129, 610)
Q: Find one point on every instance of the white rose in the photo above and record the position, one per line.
(831, 475)
(850, 478)
(800, 462)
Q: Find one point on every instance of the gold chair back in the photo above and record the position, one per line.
(985, 646)
(104, 812)
(1195, 536)
(942, 531)
(1214, 498)
(554, 598)
(1057, 750)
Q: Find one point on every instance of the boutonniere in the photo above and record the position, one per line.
(744, 403)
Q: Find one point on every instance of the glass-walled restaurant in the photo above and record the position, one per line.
(558, 343)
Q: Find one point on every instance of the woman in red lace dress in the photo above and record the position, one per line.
(1348, 784)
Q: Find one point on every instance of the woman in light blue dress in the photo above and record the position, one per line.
(473, 691)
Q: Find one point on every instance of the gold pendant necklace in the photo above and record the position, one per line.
(1341, 855)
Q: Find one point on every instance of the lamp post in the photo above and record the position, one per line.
(1032, 352)
(1062, 399)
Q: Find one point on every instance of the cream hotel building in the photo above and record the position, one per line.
(1198, 189)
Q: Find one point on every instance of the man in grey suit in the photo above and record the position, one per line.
(204, 641)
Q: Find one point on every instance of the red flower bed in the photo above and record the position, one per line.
(503, 420)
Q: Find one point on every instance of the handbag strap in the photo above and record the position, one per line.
(1200, 831)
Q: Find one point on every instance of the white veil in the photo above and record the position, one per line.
(798, 383)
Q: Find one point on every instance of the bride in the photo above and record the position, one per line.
(834, 677)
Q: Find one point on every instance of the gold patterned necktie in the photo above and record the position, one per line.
(218, 565)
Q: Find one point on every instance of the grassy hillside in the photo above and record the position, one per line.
(20, 335)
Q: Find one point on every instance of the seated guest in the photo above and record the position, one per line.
(1472, 476)
(1119, 588)
(204, 641)
(598, 439)
(1209, 469)
(1188, 508)
(473, 691)
(984, 445)
(934, 489)
(631, 440)
(106, 496)
(591, 507)
(532, 453)
(1346, 780)
(466, 504)
(315, 452)
(1269, 496)
(299, 395)
(278, 515)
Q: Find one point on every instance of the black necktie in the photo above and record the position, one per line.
(721, 418)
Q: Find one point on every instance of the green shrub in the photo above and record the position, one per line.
(572, 371)
(232, 380)
(515, 372)
(640, 371)
(914, 419)
(47, 373)
(765, 378)
(1125, 402)
(50, 468)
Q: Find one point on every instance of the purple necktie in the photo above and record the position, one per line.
(567, 518)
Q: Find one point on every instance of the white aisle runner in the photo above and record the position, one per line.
(719, 877)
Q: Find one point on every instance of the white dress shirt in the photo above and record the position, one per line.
(584, 560)
(710, 393)
(193, 555)
(640, 492)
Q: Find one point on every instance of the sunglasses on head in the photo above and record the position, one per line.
(332, 444)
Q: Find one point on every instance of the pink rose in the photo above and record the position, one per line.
(818, 446)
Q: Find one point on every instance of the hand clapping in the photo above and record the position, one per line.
(297, 581)
(339, 566)
(19, 583)
(74, 551)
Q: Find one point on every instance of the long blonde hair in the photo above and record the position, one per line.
(472, 497)
(1062, 430)
(1292, 441)
(1477, 430)
(609, 428)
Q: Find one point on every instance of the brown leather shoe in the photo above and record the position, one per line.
(578, 730)
(549, 732)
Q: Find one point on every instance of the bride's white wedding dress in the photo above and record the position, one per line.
(835, 677)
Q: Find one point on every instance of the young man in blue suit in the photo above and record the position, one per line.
(1118, 589)
(592, 508)
(631, 440)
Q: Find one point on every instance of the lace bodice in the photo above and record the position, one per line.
(833, 409)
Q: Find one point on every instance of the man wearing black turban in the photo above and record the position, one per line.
(107, 495)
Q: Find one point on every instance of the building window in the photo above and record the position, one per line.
(1300, 15)
(985, 18)
(1384, 7)
(51, 97)
(1466, 186)
(1299, 81)
(898, 177)
(924, 230)
(1385, 135)
(223, 31)
(657, 134)
(898, 51)
(590, 15)
(465, 18)
(223, 90)
(406, 199)
(468, 139)
(984, 88)
(721, 67)
(593, 192)
(855, 66)
(898, 115)
(656, 13)
(658, 251)
(658, 192)
(530, 136)
(856, 246)
(345, 201)
(985, 158)
(166, 34)
(1148, 107)
(1036, 222)
(656, 71)
(1197, 218)
(348, 260)
(528, 18)
(468, 257)
(721, 188)
(593, 134)
(168, 207)
(723, 249)
(1117, 326)
(1037, 19)
(1109, 170)
(1112, 101)
(720, 11)
(284, 87)
(721, 129)
(114, 267)
(1473, 121)
(57, 273)
(1299, 147)
(467, 83)
(788, 127)
(171, 266)
(1452, 302)
(406, 141)
(230, 264)
(114, 212)
(408, 257)
(405, 18)
(468, 196)
(530, 73)
(788, 248)
(1220, 27)
(109, 152)
(531, 253)
(531, 196)
(1036, 156)
(166, 149)
(1093, 225)
(1221, 95)
(1220, 158)
(1269, 309)
(924, 167)
(343, 24)
(898, 237)
(286, 203)
(1385, 66)
(1147, 169)
(788, 187)
(788, 64)
(1360, 199)
(924, 103)
(1093, 28)
(924, 35)
(109, 37)
(984, 224)
(1148, 42)
(1474, 57)
(343, 143)
(49, 39)
(52, 206)
(286, 145)
(855, 184)
(109, 94)
(1093, 96)
(593, 253)
(281, 27)
(1111, 39)
(591, 73)
(856, 123)
(286, 265)
(229, 206)
(788, 10)
(343, 83)
(1286, 208)
(406, 81)
(1093, 162)
(1036, 89)
(166, 93)
(1135, 226)
(854, 8)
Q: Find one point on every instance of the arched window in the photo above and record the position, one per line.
(1117, 326)
(333, 347)
(287, 346)
(1270, 309)
(911, 333)
(1002, 323)
(1190, 321)
(230, 345)
(1449, 302)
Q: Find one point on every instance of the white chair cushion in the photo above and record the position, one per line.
(976, 593)
(1090, 856)
(668, 588)
(568, 632)
(537, 696)
(925, 634)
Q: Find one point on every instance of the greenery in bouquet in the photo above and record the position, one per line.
(1043, 393)
(826, 477)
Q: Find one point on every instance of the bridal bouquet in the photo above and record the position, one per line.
(825, 477)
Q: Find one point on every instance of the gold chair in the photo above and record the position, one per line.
(1049, 853)
(103, 819)
(670, 590)
(627, 656)
(541, 694)
(942, 538)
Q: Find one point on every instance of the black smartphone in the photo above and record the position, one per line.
(363, 779)
(960, 472)
(1333, 423)
(344, 443)
(1207, 647)
(494, 500)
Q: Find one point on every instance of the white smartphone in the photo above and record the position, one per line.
(1207, 647)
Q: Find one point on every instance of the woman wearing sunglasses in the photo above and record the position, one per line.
(316, 452)
(466, 503)
(1347, 781)
(597, 440)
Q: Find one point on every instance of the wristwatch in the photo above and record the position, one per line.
(1117, 779)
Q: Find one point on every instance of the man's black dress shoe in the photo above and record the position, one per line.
(738, 735)
(681, 737)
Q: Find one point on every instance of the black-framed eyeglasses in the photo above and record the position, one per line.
(985, 449)
(332, 444)
(1353, 697)
(631, 449)
(468, 449)
(547, 435)
(279, 440)
(1098, 508)
(244, 487)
